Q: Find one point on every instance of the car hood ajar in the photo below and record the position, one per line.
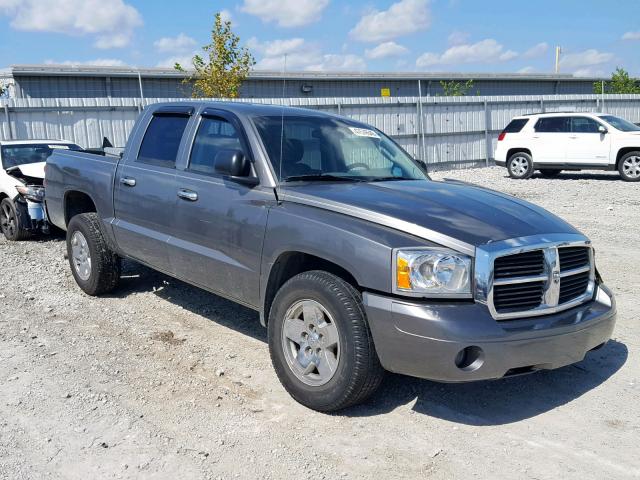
(468, 213)
(34, 170)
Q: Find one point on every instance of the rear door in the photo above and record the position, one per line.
(145, 189)
(549, 140)
(220, 222)
(587, 145)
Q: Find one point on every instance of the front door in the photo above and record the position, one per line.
(587, 145)
(145, 191)
(220, 223)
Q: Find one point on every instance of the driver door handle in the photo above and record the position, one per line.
(187, 195)
(128, 181)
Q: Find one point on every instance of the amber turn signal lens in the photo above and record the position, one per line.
(402, 274)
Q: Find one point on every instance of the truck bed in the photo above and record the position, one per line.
(81, 172)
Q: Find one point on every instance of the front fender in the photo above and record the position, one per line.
(362, 248)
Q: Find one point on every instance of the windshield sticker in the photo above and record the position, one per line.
(61, 147)
(364, 132)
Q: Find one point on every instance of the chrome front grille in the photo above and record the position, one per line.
(536, 279)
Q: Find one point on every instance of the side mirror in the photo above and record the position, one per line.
(602, 129)
(233, 163)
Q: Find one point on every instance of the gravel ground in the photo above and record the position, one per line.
(162, 380)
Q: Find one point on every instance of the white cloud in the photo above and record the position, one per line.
(286, 13)
(185, 61)
(589, 72)
(386, 50)
(526, 70)
(301, 56)
(536, 51)
(458, 38)
(631, 36)
(402, 18)
(226, 16)
(98, 62)
(178, 44)
(581, 60)
(484, 51)
(339, 62)
(110, 22)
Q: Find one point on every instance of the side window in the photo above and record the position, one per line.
(553, 125)
(162, 140)
(584, 125)
(214, 135)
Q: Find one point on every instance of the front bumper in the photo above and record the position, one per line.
(426, 340)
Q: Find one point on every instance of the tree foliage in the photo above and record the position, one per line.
(223, 65)
(453, 88)
(620, 83)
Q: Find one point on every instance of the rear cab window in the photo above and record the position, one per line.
(162, 140)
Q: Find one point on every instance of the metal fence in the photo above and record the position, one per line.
(448, 132)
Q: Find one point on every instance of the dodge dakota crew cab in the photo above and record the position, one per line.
(553, 142)
(355, 259)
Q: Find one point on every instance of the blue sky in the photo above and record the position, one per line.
(329, 35)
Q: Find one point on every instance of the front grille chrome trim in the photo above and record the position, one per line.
(549, 244)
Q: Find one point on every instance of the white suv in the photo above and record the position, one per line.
(552, 142)
(21, 185)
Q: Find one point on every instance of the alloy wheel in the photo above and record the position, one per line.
(81, 255)
(311, 342)
(631, 167)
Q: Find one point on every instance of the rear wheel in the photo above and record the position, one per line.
(12, 220)
(520, 166)
(320, 343)
(629, 167)
(549, 172)
(95, 267)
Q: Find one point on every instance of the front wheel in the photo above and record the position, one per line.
(320, 343)
(95, 267)
(13, 217)
(520, 166)
(629, 167)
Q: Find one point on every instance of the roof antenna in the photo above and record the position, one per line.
(284, 86)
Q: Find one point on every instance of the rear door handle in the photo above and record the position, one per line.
(128, 181)
(188, 195)
(573, 136)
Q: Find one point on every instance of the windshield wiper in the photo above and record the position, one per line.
(320, 177)
(389, 179)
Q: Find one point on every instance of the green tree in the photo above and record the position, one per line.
(456, 89)
(223, 65)
(620, 82)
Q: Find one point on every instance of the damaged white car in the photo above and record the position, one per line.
(22, 211)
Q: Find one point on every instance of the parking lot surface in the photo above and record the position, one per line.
(163, 380)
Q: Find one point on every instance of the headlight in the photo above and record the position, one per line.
(433, 272)
(31, 192)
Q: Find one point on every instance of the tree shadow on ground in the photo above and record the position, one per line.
(494, 402)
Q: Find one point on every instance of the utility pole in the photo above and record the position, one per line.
(558, 52)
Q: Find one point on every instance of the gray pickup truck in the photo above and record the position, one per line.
(355, 259)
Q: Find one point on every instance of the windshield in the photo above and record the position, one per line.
(620, 123)
(331, 149)
(22, 154)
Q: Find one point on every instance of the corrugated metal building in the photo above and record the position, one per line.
(58, 81)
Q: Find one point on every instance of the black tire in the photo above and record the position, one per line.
(105, 265)
(358, 373)
(516, 160)
(13, 218)
(629, 167)
(550, 172)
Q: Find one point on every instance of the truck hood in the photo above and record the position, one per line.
(464, 212)
(33, 170)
